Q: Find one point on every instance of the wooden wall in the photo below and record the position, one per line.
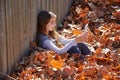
(18, 26)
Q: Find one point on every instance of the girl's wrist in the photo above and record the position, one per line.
(74, 40)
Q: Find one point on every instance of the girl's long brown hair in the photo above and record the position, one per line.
(42, 20)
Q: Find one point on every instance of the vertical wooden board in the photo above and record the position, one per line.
(15, 29)
(64, 8)
(33, 19)
(27, 25)
(24, 24)
(39, 6)
(53, 2)
(25, 18)
(9, 34)
(61, 10)
(55, 8)
(18, 36)
(3, 50)
(43, 5)
(50, 5)
(47, 5)
(21, 27)
(58, 10)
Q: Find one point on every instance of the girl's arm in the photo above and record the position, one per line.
(50, 45)
(63, 40)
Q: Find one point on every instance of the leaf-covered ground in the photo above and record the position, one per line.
(102, 19)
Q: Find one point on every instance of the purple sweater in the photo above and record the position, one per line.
(50, 44)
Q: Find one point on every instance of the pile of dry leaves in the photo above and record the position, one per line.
(102, 19)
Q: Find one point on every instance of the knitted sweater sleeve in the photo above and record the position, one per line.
(50, 45)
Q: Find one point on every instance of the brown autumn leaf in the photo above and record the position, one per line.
(80, 68)
(39, 56)
(117, 15)
(67, 71)
(116, 68)
(98, 51)
(102, 61)
(117, 37)
(49, 71)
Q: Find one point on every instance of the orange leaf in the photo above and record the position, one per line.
(76, 32)
(118, 1)
(82, 77)
(80, 68)
(98, 51)
(117, 37)
(49, 71)
(85, 21)
(83, 15)
(67, 71)
(102, 61)
(86, 1)
(106, 77)
(116, 27)
(58, 57)
(57, 63)
(116, 68)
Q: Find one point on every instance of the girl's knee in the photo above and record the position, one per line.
(84, 48)
(81, 44)
(74, 49)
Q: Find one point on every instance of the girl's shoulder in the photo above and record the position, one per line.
(43, 37)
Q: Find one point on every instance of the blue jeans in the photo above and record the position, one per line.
(81, 48)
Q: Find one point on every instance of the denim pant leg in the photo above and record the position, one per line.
(83, 48)
(74, 49)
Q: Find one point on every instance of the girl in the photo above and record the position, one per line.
(48, 38)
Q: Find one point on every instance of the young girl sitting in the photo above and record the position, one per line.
(48, 38)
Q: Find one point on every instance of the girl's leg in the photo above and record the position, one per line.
(75, 50)
(83, 48)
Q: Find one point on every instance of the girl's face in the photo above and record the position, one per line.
(51, 25)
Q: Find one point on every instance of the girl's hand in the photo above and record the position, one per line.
(82, 38)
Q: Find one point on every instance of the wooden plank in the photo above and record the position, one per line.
(24, 24)
(58, 10)
(33, 19)
(50, 5)
(20, 23)
(53, 7)
(39, 6)
(26, 37)
(43, 5)
(9, 34)
(28, 25)
(47, 5)
(17, 36)
(15, 30)
(3, 50)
